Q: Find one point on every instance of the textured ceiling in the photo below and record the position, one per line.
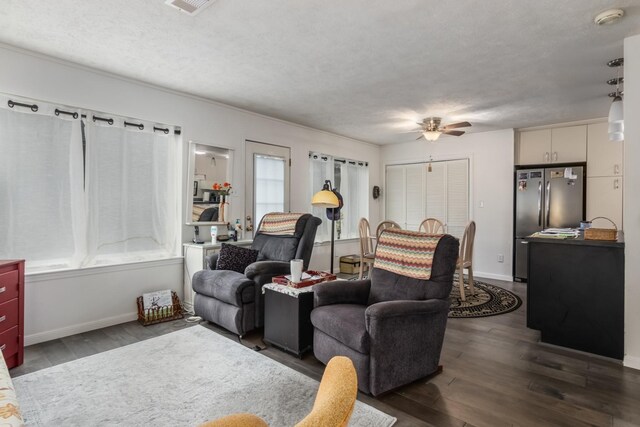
(362, 68)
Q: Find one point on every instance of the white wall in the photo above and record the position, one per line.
(491, 183)
(60, 306)
(632, 200)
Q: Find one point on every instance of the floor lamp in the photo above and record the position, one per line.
(328, 198)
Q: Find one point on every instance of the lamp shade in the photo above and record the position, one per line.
(616, 114)
(431, 135)
(325, 199)
(616, 136)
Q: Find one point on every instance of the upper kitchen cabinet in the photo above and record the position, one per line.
(556, 145)
(604, 157)
(535, 147)
(569, 144)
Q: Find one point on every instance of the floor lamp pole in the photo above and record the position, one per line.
(333, 228)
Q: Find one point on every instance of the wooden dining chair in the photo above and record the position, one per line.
(431, 226)
(465, 259)
(384, 225)
(366, 245)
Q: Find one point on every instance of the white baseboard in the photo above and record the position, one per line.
(78, 329)
(482, 275)
(631, 362)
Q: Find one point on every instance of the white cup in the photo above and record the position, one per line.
(296, 270)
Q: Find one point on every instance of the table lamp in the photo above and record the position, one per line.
(329, 198)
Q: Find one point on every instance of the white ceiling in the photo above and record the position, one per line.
(362, 68)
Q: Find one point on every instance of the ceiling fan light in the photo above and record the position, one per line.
(616, 114)
(431, 135)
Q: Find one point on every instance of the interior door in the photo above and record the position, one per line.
(267, 182)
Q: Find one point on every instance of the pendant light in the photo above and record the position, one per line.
(616, 112)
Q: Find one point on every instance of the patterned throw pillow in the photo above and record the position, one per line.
(235, 258)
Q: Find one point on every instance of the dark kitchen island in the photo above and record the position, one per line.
(575, 293)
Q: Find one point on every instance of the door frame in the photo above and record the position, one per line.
(249, 178)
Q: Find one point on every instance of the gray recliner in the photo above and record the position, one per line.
(234, 300)
(391, 326)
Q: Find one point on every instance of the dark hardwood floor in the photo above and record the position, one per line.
(496, 373)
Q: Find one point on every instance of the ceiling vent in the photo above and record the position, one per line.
(190, 7)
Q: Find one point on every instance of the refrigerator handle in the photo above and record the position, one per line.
(539, 203)
(548, 201)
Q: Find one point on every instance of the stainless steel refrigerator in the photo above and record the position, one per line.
(546, 198)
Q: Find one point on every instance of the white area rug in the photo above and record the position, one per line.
(180, 379)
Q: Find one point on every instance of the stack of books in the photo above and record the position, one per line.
(557, 233)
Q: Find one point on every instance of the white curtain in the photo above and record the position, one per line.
(131, 192)
(41, 177)
(354, 183)
(321, 169)
(268, 186)
(351, 178)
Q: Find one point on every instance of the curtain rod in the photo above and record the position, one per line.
(138, 125)
(33, 107)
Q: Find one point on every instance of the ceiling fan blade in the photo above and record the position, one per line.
(419, 137)
(457, 125)
(454, 132)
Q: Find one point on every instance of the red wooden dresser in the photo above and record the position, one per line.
(12, 312)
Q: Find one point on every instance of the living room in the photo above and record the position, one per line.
(188, 86)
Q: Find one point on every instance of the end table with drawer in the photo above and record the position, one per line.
(12, 312)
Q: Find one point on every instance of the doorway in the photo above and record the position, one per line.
(267, 178)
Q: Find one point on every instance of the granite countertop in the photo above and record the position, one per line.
(580, 240)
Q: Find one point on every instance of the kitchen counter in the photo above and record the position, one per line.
(575, 293)
(580, 240)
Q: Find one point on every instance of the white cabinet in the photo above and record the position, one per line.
(569, 144)
(604, 172)
(195, 260)
(535, 147)
(557, 145)
(604, 157)
(604, 198)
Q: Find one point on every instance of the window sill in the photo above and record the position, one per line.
(39, 276)
(344, 241)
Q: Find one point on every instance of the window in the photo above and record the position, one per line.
(414, 193)
(269, 185)
(81, 192)
(351, 179)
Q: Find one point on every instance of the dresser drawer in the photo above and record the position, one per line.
(9, 342)
(9, 282)
(9, 314)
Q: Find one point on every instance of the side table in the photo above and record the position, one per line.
(287, 317)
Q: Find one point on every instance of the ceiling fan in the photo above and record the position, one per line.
(431, 128)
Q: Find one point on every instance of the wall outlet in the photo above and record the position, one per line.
(500, 258)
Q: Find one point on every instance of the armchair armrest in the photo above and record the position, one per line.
(341, 292)
(263, 268)
(387, 309)
(262, 272)
(406, 339)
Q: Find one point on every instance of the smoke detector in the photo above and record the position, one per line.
(190, 7)
(609, 16)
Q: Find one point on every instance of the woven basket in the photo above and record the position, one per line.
(601, 233)
(152, 316)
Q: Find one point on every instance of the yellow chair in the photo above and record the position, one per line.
(333, 406)
(336, 396)
(237, 420)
